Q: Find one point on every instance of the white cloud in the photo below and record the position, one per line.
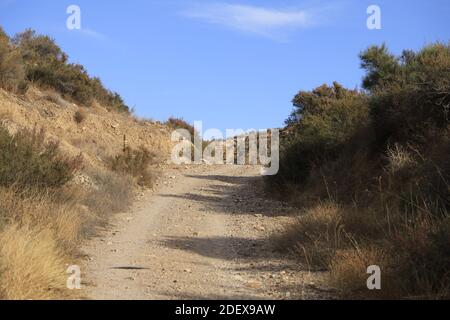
(267, 22)
(92, 33)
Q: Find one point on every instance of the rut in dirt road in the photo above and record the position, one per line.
(206, 234)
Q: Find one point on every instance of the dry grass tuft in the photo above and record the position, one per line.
(31, 264)
(316, 235)
(348, 271)
(399, 158)
(112, 193)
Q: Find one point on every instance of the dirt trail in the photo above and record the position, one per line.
(207, 233)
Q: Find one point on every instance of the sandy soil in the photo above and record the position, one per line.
(206, 233)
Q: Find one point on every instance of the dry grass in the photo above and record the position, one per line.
(6, 114)
(380, 158)
(316, 236)
(399, 158)
(42, 225)
(36, 240)
(55, 98)
(325, 228)
(42, 211)
(112, 193)
(31, 265)
(50, 225)
(41, 233)
(348, 272)
(411, 250)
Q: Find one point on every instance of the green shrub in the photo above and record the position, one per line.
(135, 163)
(410, 94)
(322, 122)
(381, 157)
(47, 65)
(27, 160)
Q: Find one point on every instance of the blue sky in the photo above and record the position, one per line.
(233, 64)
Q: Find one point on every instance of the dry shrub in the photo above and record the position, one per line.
(31, 264)
(421, 251)
(12, 71)
(177, 123)
(80, 115)
(318, 234)
(135, 163)
(56, 98)
(43, 211)
(22, 87)
(28, 160)
(41, 231)
(412, 249)
(348, 272)
(113, 193)
(399, 158)
(327, 227)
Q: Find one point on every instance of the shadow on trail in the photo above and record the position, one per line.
(261, 257)
(237, 195)
(227, 248)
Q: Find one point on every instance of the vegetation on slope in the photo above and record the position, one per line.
(31, 58)
(50, 201)
(371, 171)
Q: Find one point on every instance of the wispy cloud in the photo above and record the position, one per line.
(88, 33)
(268, 22)
(92, 33)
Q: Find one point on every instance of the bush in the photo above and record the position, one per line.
(23, 87)
(114, 193)
(79, 116)
(410, 94)
(381, 158)
(27, 160)
(323, 121)
(47, 65)
(177, 123)
(12, 73)
(135, 163)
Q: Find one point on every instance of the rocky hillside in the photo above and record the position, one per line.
(98, 135)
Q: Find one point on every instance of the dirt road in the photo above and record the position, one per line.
(206, 233)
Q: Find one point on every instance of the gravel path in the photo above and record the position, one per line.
(206, 233)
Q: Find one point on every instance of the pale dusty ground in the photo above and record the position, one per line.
(206, 233)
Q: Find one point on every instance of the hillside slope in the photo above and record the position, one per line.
(98, 137)
(52, 199)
